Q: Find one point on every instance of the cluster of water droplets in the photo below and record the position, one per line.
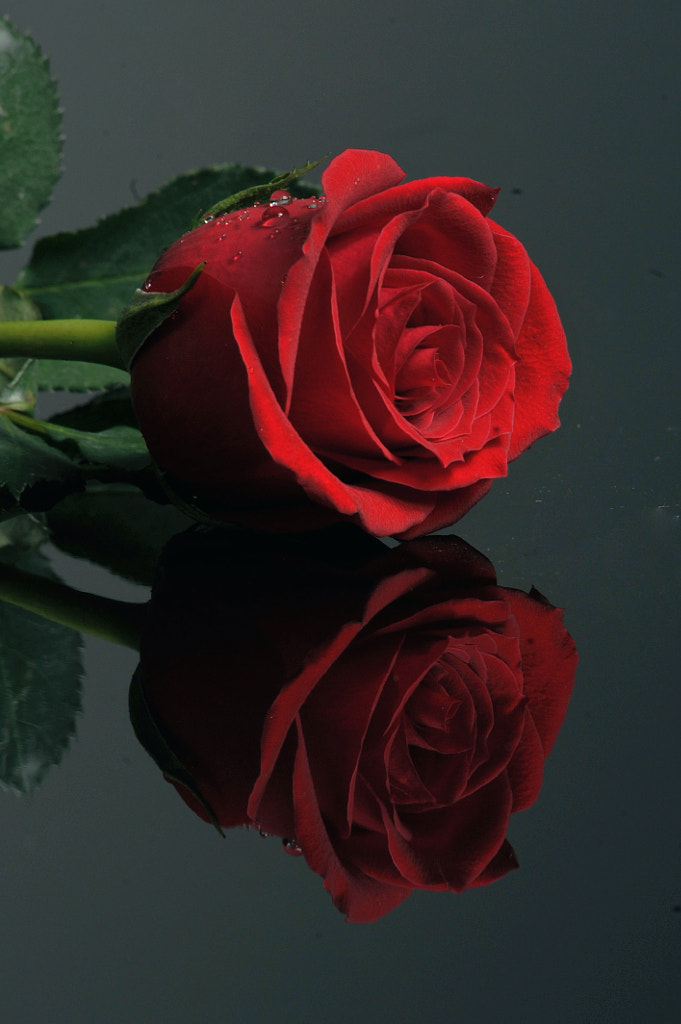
(273, 216)
(291, 846)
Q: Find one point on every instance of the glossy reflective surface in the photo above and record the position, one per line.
(120, 906)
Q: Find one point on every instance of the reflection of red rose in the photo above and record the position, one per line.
(380, 355)
(386, 719)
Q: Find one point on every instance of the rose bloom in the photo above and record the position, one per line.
(384, 718)
(380, 353)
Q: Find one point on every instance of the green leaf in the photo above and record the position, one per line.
(119, 446)
(30, 135)
(72, 375)
(18, 376)
(115, 526)
(122, 447)
(93, 272)
(25, 531)
(27, 460)
(41, 672)
(16, 306)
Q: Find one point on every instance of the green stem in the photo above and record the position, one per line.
(119, 622)
(92, 341)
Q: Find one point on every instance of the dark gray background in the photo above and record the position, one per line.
(116, 906)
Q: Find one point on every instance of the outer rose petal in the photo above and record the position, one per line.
(360, 897)
(544, 366)
(549, 661)
(348, 179)
(448, 508)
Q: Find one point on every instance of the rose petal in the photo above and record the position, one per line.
(360, 897)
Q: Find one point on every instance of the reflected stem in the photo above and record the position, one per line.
(119, 622)
(90, 341)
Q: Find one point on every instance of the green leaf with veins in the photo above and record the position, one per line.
(41, 672)
(27, 460)
(30, 135)
(119, 446)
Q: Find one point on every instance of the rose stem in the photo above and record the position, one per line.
(119, 622)
(92, 341)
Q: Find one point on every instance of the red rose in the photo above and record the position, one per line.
(384, 720)
(381, 353)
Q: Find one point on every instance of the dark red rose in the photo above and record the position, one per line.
(381, 353)
(384, 719)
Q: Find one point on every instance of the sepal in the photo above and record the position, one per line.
(146, 312)
(255, 194)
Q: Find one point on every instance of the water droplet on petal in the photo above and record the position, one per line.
(244, 215)
(263, 834)
(280, 198)
(273, 214)
(316, 202)
(237, 255)
(292, 847)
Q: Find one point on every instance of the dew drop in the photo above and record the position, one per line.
(272, 215)
(207, 220)
(263, 834)
(273, 234)
(280, 198)
(316, 202)
(292, 847)
(237, 255)
(244, 215)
